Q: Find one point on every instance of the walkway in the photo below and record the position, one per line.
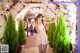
(31, 45)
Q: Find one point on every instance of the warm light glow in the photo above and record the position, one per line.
(35, 4)
(72, 38)
(7, 6)
(35, 7)
(32, 20)
(35, 10)
(16, 25)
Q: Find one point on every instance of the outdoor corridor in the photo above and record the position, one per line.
(31, 45)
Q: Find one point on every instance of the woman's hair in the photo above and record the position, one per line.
(39, 15)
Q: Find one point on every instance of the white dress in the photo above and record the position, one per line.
(43, 38)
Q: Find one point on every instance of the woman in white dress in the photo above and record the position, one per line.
(43, 38)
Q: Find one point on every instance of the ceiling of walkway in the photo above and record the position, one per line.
(20, 7)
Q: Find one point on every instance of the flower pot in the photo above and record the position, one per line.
(22, 50)
(19, 48)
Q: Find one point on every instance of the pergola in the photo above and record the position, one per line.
(24, 9)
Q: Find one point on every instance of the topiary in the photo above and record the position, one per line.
(51, 34)
(10, 36)
(62, 39)
(21, 33)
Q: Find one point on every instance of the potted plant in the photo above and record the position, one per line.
(62, 37)
(10, 36)
(51, 34)
(21, 34)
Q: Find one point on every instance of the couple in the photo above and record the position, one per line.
(43, 37)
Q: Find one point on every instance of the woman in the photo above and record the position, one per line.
(43, 39)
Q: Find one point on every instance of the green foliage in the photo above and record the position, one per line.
(62, 37)
(58, 36)
(10, 36)
(21, 33)
(51, 34)
(52, 18)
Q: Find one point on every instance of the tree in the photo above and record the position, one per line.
(62, 37)
(10, 36)
(21, 33)
(51, 34)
